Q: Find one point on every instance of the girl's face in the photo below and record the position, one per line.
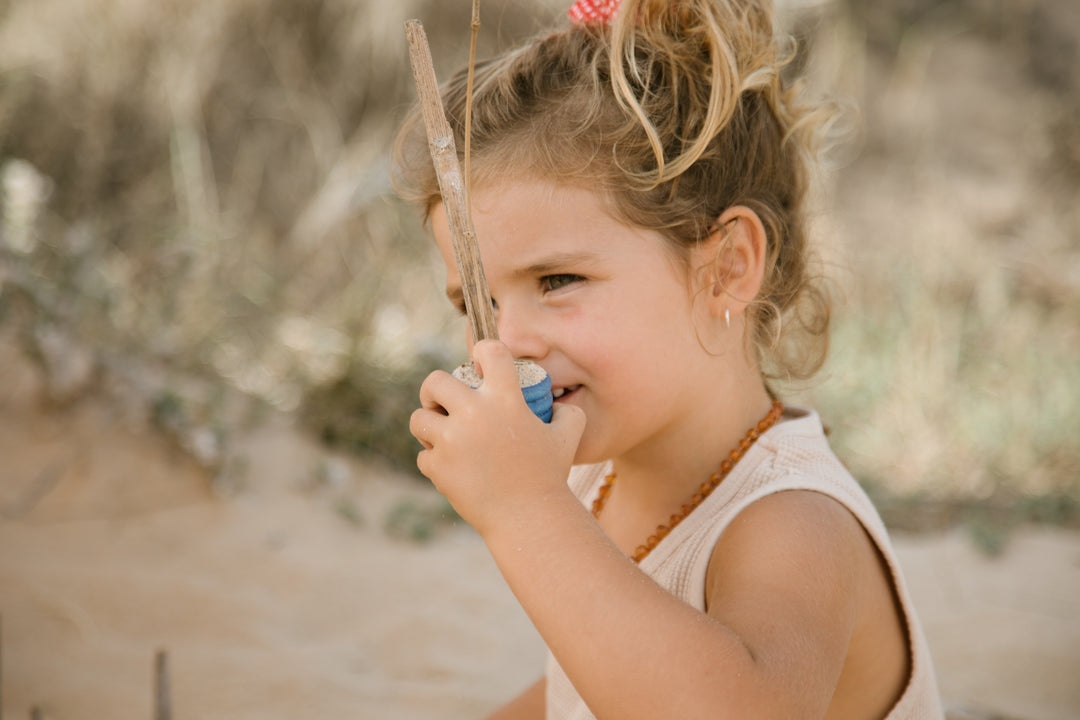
(603, 307)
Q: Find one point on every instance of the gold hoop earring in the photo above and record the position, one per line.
(727, 317)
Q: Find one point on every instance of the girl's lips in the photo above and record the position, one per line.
(561, 393)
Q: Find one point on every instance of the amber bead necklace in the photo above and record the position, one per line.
(703, 492)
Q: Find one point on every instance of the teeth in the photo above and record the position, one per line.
(559, 392)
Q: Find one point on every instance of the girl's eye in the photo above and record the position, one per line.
(556, 282)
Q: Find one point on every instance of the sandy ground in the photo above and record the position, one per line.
(287, 598)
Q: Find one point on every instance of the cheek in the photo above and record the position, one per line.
(602, 338)
(633, 355)
(605, 354)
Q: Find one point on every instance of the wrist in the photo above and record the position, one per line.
(538, 520)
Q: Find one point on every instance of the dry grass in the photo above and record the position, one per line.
(199, 191)
(195, 194)
(955, 235)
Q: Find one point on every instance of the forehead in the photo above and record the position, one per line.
(525, 222)
(517, 220)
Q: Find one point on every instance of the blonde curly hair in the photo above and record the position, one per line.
(675, 111)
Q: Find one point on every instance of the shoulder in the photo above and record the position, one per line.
(796, 502)
(789, 534)
(801, 505)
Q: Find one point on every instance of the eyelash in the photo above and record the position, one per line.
(568, 278)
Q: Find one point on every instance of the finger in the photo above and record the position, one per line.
(568, 423)
(428, 465)
(496, 363)
(418, 427)
(440, 390)
(425, 425)
(422, 463)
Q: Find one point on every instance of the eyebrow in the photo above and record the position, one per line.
(554, 263)
(546, 266)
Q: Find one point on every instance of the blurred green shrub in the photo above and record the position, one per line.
(368, 410)
(197, 193)
(195, 196)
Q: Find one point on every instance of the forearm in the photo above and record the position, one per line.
(630, 648)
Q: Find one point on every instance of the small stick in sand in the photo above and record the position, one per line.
(162, 706)
(452, 186)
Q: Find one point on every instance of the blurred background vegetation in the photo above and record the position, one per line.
(197, 220)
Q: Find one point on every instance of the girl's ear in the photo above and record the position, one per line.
(732, 262)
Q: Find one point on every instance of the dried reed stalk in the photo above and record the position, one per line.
(452, 186)
(474, 29)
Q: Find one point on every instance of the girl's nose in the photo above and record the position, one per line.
(519, 330)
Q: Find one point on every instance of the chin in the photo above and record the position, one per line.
(588, 453)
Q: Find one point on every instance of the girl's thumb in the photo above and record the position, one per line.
(568, 423)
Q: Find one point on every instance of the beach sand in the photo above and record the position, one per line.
(285, 596)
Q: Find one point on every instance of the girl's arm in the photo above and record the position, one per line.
(781, 610)
(529, 705)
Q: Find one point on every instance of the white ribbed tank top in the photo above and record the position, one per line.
(792, 455)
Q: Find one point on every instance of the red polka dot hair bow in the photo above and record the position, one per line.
(594, 12)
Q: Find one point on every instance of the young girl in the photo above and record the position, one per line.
(637, 188)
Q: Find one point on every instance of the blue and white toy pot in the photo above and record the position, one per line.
(534, 380)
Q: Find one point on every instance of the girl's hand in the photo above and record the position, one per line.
(484, 449)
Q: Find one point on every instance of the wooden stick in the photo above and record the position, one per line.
(452, 186)
(474, 29)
